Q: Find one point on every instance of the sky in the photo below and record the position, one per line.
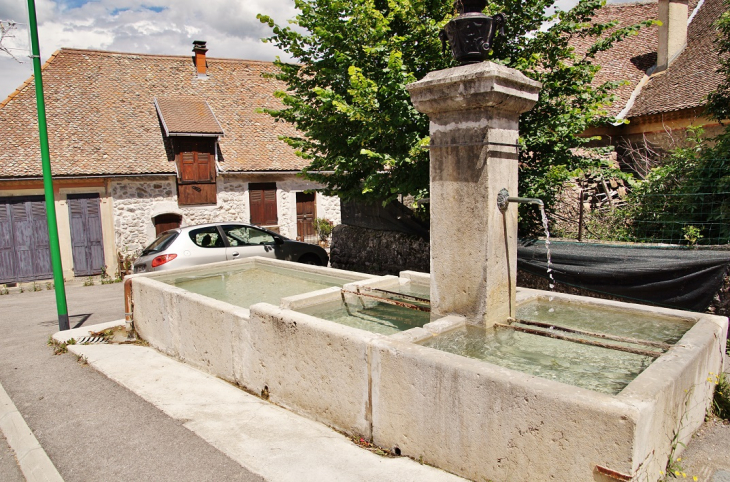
(143, 26)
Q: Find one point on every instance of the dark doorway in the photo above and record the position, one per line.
(163, 222)
(306, 212)
(25, 253)
(87, 243)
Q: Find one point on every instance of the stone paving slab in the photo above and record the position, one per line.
(264, 438)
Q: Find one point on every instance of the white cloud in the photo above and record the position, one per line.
(146, 26)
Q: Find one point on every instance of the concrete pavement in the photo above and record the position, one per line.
(268, 440)
(92, 428)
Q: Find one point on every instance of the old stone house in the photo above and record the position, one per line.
(139, 144)
(669, 71)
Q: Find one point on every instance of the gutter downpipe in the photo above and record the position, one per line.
(47, 176)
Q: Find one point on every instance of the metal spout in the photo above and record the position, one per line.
(503, 200)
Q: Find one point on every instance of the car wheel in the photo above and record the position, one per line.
(310, 259)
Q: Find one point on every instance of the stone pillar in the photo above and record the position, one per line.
(474, 112)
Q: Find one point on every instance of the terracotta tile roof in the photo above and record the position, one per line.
(629, 59)
(688, 80)
(187, 115)
(102, 118)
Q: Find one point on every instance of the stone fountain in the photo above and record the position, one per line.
(474, 418)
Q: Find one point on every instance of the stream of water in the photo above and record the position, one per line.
(547, 247)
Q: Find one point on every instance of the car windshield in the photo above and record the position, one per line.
(161, 243)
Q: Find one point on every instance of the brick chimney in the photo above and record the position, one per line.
(672, 32)
(200, 63)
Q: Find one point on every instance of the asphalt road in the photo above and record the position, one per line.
(91, 428)
(9, 471)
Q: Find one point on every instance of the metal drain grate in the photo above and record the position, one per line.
(92, 340)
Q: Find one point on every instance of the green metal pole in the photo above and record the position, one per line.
(47, 178)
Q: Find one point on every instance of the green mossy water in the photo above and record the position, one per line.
(595, 368)
(255, 284)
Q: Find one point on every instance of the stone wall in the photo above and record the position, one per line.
(328, 207)
(136, 201)
(378, 252)
(132, 202)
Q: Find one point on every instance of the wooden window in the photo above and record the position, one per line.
(262, 198)
(195, 159)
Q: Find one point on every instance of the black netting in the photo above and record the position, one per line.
(673, 276)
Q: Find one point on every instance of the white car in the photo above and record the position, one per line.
(209, 243)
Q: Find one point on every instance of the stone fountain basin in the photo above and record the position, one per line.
(466, 416)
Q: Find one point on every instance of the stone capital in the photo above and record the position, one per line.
(481, 86)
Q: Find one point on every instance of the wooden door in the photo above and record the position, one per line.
(25, 253)
(306, 213)
(87, 243)
(163, 222)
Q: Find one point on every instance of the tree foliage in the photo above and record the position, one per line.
(719, 101)
(346, 93)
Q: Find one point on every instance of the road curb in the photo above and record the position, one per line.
(78, 333)
(32, 459)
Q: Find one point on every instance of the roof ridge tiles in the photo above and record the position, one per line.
(71, 50)
(630, 4)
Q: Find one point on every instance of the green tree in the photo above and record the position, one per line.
(346, 93)
(719, 101)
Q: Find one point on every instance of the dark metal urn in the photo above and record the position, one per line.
(471, 33)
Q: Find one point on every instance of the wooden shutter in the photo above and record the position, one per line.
(205, 164)
(42, 256)
(94, 233)
(7, 252)
(24, 248)
(262, 198)
(23, 240)
(87, 244)
(188, 169)
(196, 164)
(196, 160)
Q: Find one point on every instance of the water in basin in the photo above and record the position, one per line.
(373, 316)
(592, 367)
(252, 284)
(606, 320)
(415, 289)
